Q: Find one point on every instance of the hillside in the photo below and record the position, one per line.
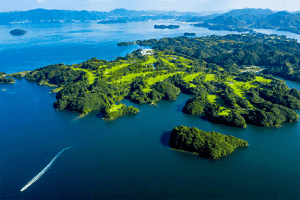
(247, 19)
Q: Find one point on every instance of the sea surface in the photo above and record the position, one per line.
(128, 158)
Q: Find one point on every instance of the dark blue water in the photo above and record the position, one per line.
(127, 158)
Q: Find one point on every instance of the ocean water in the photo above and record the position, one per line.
(127, 158)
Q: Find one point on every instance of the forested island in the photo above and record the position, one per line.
(189, 34)
(222, 73)
(210, 145)
(164, 26)
(135, 19)
(18, 32)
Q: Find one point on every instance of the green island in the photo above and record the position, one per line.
(189, 34)
(210, 145)
(18, 32)
(164, 26)
(223, 74)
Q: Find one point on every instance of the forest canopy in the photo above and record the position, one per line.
(210, 145)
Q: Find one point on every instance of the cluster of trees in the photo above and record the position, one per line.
(268, 113)
(232, 119)
(232, 99)
(196, 105)
(211, 145)
(3, 79)
(84, 98)
(244, 49)
(160, 90)
(58, 74)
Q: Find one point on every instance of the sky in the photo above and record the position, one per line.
(166, 5)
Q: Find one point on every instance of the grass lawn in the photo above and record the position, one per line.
(150, 61)
(152, 81)
(210, 77)
(90, 74)
(129, 77)
(191, 76)
(115, 107)
(262, 79)
(113, 69)
(212, 98)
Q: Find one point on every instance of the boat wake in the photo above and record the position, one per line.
(43, 171)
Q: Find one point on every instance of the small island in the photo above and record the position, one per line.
(210, 145)
(189, 34)
(166, 27)
(18, 32)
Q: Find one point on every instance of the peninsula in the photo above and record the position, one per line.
(225, 75)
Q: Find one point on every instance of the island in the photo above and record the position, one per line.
(210, 145)
(224, 74)
(189, 34)
(166, 27)
(18, 32)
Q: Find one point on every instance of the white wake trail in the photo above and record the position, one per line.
(43, 171)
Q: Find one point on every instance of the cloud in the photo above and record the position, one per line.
(40, 1)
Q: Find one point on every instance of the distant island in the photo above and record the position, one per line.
(189, 34)
(166, 27)
(120, 20)
(210, 145)
(18, 32)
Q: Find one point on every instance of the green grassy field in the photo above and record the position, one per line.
(115, 107)
(212, 98)
(130, 77)
(152, 81)
(210, 77)
(191, 76)
(113, 69)
(90, 74)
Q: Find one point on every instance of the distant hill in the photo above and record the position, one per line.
(254, 18)
(280, 20)
(42, 15)
(248, 15)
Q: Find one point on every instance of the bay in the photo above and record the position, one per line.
(127, 158)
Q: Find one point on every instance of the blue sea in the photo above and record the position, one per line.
(128, 158)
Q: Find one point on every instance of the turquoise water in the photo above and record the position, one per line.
(127, 158)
